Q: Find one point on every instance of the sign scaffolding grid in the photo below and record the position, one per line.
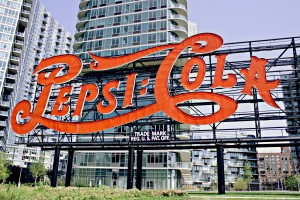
(269, 126)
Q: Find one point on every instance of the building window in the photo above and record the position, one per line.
(152, 26)
(124, 41)
(152, 15)
(93, 14)
(101, 12)
(138, 6)
(98, 45)
(125, 29)
(153, 4)
(91, 35)
(163, 14)
(152, 38)
(114, 53)
(118, 10)
(116, 31)
(115, 42)
(137, 18)
(115, 158)
(150, 185)
(126, 10)
(136, 40)
(117, 20)
(99, 34)
(103, 2)
(163, 3)
(94, 3)
(163, 25)
(137, 28)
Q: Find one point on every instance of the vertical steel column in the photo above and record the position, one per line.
(297, 92)
(256, 107)
(139, 169)
(55, 167)
(130, 168)
(212, 91)
(69, 168)
(221, 174)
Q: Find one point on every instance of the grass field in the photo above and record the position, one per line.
(245, 195)
(9, 192)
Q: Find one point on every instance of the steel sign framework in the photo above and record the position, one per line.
(253, 115)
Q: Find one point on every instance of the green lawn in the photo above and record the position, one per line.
(9, 192)
(246, 195)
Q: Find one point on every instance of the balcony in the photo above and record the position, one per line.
(39, 49)
(4, 113)
(83, 4)
(175, 39)
(178, 27)
(237, 164)
(24, 21)
(20, 36)
(4, 104)
(25, 13)
(214, 163)
(16, 52)
(198, 163)
(9, 86)
(11, 77)
(2, 133)
(43, 27)
(40, 41)
(181, 165)
(45, 20)
(27, 5)
(177, 5)
(81, 22)
(233, 150)
(81, 29)
(18, 44)
(242, 158)
(15, 60)
(2, 123)
(177, 17)
(206, 171)
(207, 155)
(13, 68)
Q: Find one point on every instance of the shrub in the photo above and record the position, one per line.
(291, 183)
(240, 184)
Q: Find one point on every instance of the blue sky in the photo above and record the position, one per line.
(234, 20)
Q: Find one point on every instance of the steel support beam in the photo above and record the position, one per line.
(221, 174)
(139, 169)
(55, 167)
(69, 168)
(130, 168)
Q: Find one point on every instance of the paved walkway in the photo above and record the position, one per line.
(241, 197)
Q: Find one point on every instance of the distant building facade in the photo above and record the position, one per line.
(28, 33)
(193, 28)
(275, 167)
(291, 92)
(115, 27)
(205, 164)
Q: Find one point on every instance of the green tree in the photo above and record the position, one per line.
(4, 171)
(248, 175)
(297, 176)
(291, 183)
(37, 170)
(240, 184)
